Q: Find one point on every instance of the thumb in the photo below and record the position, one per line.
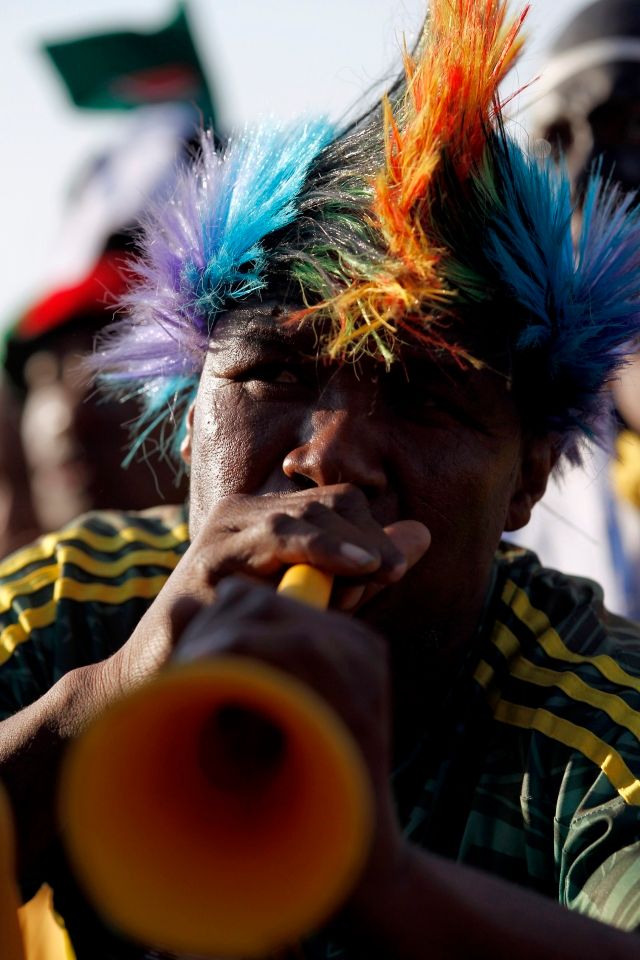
(412, 539)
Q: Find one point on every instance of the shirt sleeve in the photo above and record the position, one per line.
(74, 597)
(27, 626)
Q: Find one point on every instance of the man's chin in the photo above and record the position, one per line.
(396, 613)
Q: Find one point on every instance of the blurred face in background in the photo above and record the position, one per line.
(615, 130)
(57, 459)
(75, 440)
(18, 524)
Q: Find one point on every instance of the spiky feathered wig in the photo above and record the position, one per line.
(424, 221)
(203, 250)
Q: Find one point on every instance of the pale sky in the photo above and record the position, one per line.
(281, 57)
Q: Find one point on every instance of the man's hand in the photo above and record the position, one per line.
(408, 903)
(341, 659)
(331, 528)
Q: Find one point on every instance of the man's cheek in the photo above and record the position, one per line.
(242, 459)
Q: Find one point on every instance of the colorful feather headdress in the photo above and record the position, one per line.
(202, 252)
(424, 221)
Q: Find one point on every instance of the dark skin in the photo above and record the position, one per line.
(399, 484)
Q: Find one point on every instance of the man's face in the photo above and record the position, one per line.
(424, 441)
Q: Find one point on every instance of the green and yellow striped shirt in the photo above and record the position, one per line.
(533, 773)
(75, 596)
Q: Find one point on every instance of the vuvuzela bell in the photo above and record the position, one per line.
(10, 936)
(178, 851)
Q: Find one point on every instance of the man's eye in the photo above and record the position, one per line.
(273, 381)
(272, 373)
(285, 376)
(427, 407)
(416, 403)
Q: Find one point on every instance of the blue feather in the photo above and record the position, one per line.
(580, 305)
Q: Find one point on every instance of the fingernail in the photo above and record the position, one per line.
(357, 555)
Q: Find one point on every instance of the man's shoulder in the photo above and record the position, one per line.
(559, 622)
(74, 596)
(564, 672)
(545, 599)
(104, 535)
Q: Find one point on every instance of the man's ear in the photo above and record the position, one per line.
(185, 446)
(539, 456)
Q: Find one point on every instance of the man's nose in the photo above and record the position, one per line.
(340, 447)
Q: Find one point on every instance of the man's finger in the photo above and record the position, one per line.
(412, 539)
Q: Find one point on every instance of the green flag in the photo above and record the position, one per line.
(126, 69)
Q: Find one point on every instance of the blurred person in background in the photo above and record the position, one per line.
(18, 524)
(590, 111)
(73, 441)
(61, 446)
(588, 523)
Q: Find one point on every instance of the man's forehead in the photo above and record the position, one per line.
(272, 327)
(264, 323)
